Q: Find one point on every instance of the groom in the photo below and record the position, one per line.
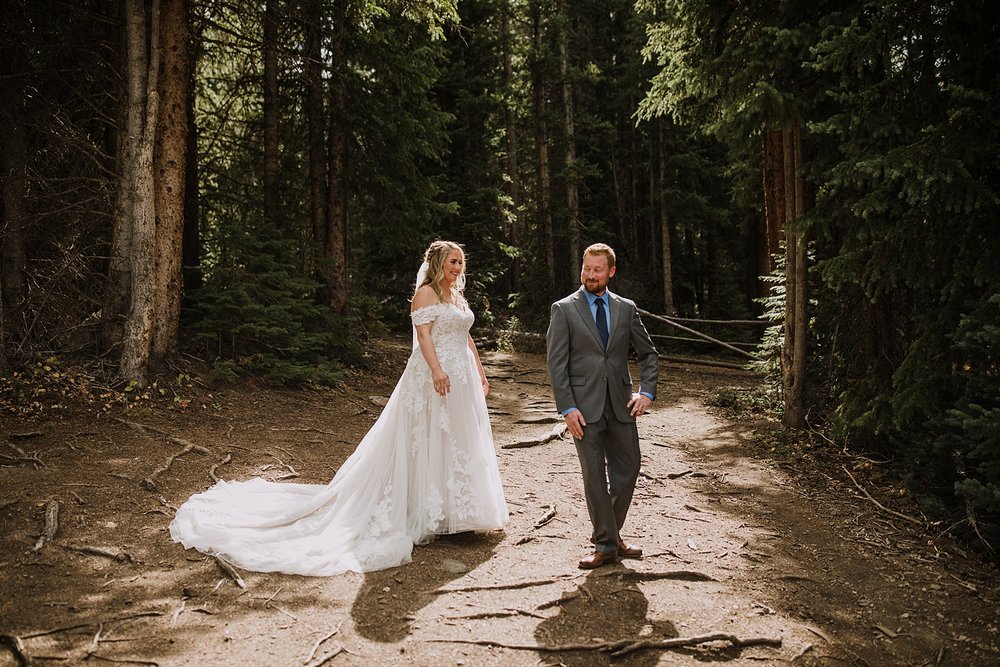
(588, 348)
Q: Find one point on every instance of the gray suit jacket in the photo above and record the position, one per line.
(582, 372)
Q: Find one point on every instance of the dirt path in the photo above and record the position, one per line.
(734, 545)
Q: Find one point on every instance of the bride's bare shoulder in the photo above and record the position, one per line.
(425, 296)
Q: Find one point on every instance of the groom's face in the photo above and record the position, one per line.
(596, 273)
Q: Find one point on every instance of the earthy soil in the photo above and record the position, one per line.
(747, 535)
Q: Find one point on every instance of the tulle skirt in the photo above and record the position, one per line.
(427, 467)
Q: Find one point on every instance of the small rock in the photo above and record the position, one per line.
(453, 566)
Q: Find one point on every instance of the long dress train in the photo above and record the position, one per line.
(427, 467)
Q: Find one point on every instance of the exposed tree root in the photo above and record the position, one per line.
(145, 429)
(543, 419)
(23, 456)
(51, 525)
(25, 436)
(150, 482)
(104, 553)
(211, 471)
(624, 647)
(17, 460)
(555, 434)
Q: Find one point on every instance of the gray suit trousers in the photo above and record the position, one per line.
(610, 460)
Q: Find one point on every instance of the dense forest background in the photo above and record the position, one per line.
(253, 184)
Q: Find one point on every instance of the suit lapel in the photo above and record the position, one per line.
(615, 308)
(583, 307)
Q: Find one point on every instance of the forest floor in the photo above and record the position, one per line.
(768, 544)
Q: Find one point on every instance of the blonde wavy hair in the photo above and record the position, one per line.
(435, 258)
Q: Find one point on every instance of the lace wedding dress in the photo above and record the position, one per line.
(427, 467)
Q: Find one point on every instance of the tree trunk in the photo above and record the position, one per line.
(667, 262)
(191, 244)
(767, 241)
(633, 178)
(169, 169)
(13, 176)
(510, 123)
(138, 211)
(618, 180)
(335, 249)
(569, 131)
(794, 348)
(543, 177)
(272, 206)
(647, 252)
(313, 83)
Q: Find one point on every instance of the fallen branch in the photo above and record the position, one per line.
(292, 472)
(150, 482)
(51, 524)
(548, 516)
(230, 571)
(327, 658)
(878, 504)
(681, 642)
(177, 613)
(117, 619)
(318, 643)
(501, 587)
(646, 475)
(555, 434)
(125, 661)
(95, 642)
(507, 613)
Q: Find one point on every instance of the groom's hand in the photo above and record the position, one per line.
(638, 405)
(575, 423)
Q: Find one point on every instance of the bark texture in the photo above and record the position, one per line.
(170, 163)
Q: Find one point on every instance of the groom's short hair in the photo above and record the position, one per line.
(601, 249)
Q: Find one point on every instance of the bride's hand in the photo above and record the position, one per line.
(442, 383)
(486, 386)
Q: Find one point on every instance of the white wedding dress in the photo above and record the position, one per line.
(427, 467)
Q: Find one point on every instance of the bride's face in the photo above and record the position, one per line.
(453, 267)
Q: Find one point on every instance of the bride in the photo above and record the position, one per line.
(427, 466)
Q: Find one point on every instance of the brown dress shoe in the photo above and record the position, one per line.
(597, 559)
(625, 551)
